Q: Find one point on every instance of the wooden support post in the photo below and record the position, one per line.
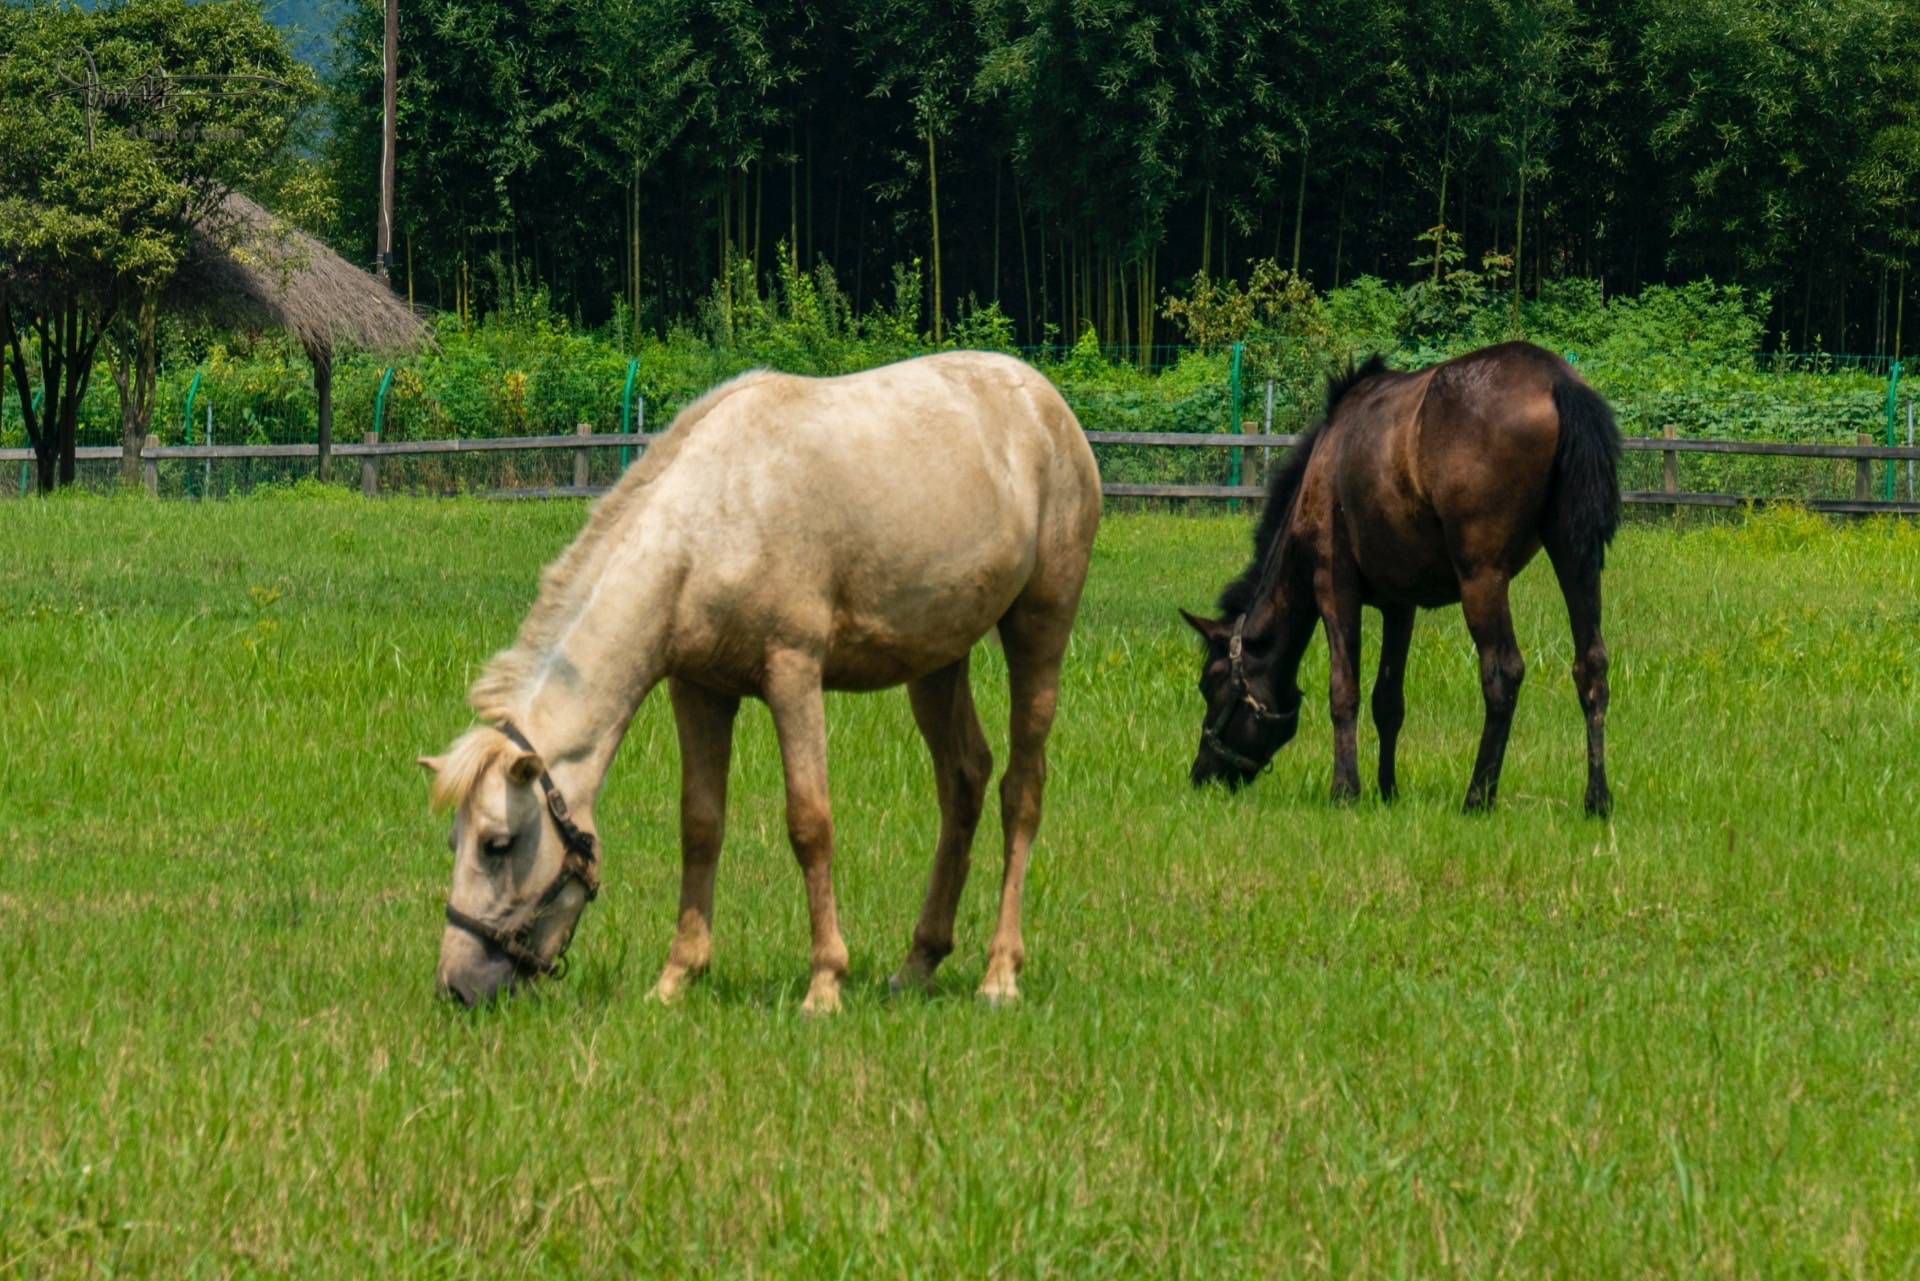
(1669, 467)
(370, 469)
(1863, 473)
(580, 456)
(150, 467)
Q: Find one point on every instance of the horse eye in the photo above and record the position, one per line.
(499, 845)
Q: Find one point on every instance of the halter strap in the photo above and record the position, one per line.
(1210, 730)
(581, 863)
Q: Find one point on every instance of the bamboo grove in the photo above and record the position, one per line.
(1073, 160)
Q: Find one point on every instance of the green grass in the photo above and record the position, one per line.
(1261, 1035)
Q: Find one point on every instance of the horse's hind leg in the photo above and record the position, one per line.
(793, 693)
(1389, 688)
(704, 720)
(962, 767)
(1483, 598)
(1581, 587)
(1034, 633)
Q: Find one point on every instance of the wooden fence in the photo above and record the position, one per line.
(370, 451)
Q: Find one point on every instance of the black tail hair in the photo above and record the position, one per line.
(1585, 507)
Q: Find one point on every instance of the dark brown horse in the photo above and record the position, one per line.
(1417, 490)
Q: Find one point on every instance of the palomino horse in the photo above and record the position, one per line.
(1417, 489)
(786, 536)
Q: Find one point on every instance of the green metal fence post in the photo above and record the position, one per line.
(1233, 396)
(626, 408)
(186, 429)
(380, 402)
(1893, 393)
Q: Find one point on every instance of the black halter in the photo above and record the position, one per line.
(580, 863)
(1210, 730)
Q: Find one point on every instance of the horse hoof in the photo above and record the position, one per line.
(914, 976)
(823, 999)
(999, 987)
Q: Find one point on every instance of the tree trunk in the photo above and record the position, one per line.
(1300, 207)
(1026, 272)
(933, 205)
(1206, 233)
(1340, 232)
(134, 363)
(993, 290)
(383, 254)
(323, 385)
(1900, 312)
(1519, 232)
(1446, 171)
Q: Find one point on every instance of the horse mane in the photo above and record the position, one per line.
(1238, 596)
(469, 757)
(493, 694)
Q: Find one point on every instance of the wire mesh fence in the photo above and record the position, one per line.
(1272, 387)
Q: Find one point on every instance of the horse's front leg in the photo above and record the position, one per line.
(793, 693)
(704, 720)
(1338, 591)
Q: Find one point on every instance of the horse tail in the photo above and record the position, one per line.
(1585, 509)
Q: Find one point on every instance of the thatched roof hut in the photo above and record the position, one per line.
(251, 270)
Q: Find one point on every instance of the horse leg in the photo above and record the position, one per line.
(1483, 598)
(793, 693)
(1389, 688)
(1338, 590)
(704, 720)
(1582, 591)
(1035, 640)
(962, 767)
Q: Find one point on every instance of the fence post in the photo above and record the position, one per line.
(150, 466)
(1863, 472)
(626, 408)
(1669, 467)
(1893, 409)
(1234, 424)
(580, 456)
(370, 468)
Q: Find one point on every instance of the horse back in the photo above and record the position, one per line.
(1447, 469)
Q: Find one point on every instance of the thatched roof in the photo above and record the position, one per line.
(251, 270)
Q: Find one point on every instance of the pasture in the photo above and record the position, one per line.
(1260, 1035)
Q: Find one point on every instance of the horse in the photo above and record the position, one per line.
(786, 536)
(1417, 490)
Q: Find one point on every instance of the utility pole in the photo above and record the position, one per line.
(384, 267)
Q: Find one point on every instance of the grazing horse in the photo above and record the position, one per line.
(1417, 490)
(786, 536)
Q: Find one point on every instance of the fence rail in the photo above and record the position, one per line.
(369, 451)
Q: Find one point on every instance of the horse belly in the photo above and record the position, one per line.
(930, 580)
(1398, 545)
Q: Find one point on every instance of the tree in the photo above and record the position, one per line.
(121, 132)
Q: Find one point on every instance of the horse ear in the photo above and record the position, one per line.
(1208, 629)
(431, 764)
(524, 768)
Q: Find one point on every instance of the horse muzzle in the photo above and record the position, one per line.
(472, 971)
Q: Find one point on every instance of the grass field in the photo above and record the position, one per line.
(1261, 1036)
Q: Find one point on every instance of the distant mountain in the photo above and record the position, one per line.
(309, 24)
